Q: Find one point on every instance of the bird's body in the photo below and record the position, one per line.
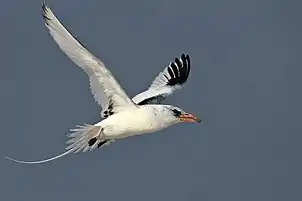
(122, 116)
(141, 120)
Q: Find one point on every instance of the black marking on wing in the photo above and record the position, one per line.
(179, 64)
(179, 70)
(173, 70)
(109, 111)
(154, 99)
(45, 13)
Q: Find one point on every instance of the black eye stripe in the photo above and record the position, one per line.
(176, 112)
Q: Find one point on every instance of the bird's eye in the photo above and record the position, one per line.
(176, 112)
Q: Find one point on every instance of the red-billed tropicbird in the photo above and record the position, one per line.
(122, 116)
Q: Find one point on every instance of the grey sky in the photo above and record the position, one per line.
(246, 68)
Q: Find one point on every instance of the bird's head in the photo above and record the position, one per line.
(181, 116)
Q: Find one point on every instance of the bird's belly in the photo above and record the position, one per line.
(119, 126)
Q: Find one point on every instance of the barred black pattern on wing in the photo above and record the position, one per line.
(179, 70)
(171, 79)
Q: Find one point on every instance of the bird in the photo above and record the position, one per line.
(121, 116)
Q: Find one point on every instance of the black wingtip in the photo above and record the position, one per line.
(179, 70)
(44, 11)
(188, 60)
(44, 6)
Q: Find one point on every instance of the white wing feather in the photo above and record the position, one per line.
(105, 89)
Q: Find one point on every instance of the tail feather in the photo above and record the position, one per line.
(79, 141)
(41, 161)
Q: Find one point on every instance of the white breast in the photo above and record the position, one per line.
(144, 119)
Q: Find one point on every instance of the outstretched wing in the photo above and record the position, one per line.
(169, 80)
(105, 89)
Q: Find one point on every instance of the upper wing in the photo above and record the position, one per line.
(170, 79)
(105, 89)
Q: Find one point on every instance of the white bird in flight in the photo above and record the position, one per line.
(122, 117)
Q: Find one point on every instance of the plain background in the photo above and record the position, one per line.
(245, 84)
